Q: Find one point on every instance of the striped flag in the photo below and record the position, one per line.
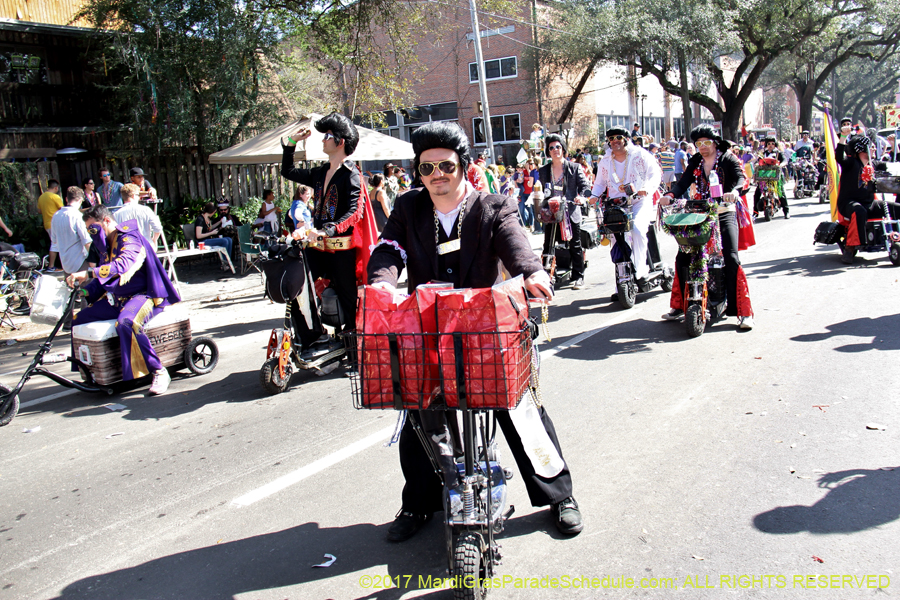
(831, 166)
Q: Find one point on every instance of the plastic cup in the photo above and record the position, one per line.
(202, 245)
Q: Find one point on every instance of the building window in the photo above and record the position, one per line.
(498, 68)
(505, 129)
(402, 123)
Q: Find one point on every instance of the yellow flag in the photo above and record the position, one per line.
(831, 167)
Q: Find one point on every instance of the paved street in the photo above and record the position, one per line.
(737, 460)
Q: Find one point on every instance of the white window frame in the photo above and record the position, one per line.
(515, 58)
(503, 116)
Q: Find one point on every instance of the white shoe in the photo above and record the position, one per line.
(579, 284)
(161, 381)
(674, 315)
(745, 322)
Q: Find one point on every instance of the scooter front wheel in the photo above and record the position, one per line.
(695, 320)
(12, 409)
(469, 568)
(627, 293)
(270, 376)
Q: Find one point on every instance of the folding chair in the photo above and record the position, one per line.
(251, 254)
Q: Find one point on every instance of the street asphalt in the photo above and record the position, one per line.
(740, 464)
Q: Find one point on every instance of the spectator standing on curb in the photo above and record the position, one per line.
(110, 191)
(147, 220)
(91, 197)
(69, 234)
(147, 191)
(48, 203)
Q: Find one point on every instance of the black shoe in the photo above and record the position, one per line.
(21, 310)
(787, 215)
(567, 516)
(406, 525)
(848, 255)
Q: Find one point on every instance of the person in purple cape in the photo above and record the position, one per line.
(129, 285)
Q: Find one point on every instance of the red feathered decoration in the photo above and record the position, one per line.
(364, 236)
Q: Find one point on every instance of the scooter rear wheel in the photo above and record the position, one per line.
(694, 320)
(895, 254)
(627, 294)
(201, 356)
(469, 567)
(270, 376)
(13, 408)
(667, 282)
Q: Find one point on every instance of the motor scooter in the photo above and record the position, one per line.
(289, 282)
(616, 221)
(697, 232)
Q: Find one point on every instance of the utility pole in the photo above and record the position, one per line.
(537, 65)
(482, 86)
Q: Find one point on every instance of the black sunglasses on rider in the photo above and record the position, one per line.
(445, 166)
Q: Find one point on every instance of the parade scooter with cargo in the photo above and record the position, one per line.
(882, 232)
(95, 347)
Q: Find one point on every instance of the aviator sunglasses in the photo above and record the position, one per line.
(617, 138)
(446, 166)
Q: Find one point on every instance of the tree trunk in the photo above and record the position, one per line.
(685, 96)
(570, 105)
(806, 96)
(731, 124)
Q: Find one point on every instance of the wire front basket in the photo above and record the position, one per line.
(458, 371)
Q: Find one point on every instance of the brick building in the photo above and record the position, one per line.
(448, 87)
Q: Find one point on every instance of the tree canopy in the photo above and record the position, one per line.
(209, 72)
(867, 42)
(728, 43)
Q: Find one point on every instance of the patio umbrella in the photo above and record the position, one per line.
(265, 148)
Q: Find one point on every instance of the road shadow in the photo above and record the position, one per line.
(636, 336)
(285, 558)
(275, 560)
(857, 499)
(236, 387)
(881, 329)
(826, 261)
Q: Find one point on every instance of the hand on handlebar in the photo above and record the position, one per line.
(666, 200)
(538, 285)
(76, 279)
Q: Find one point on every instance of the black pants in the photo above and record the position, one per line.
(552, 230)
(340, 268)
(729, 227)
(422, 492)
(759, 206)
(864, 213)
